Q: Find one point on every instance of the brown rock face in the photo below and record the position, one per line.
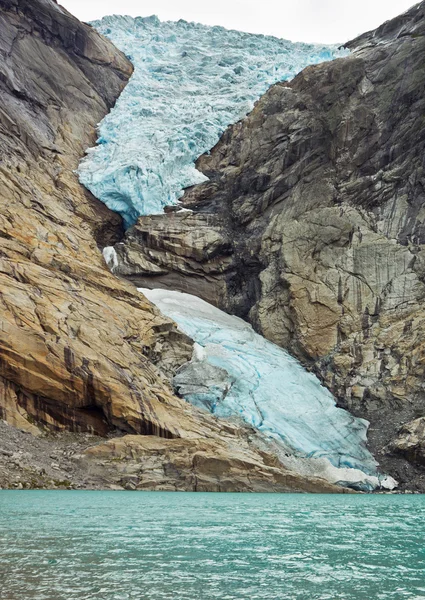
(179, 243)
(203, 465)
(77, 346)
(317, 201)
(81, 350)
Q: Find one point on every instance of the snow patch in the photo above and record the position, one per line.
(111, 257)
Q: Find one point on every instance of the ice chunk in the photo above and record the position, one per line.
(111, 257)
(239, 373)
(190, 82)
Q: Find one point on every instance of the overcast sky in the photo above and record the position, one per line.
(298, 20)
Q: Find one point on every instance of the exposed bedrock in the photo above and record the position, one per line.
(77, 347)
(81, 350)
(410, 441)
(311, 226)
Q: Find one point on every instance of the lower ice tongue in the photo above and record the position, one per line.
(236, 372)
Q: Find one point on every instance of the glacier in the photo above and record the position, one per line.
(235, 372)
(190, 82)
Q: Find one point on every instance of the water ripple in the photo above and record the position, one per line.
(159, 546)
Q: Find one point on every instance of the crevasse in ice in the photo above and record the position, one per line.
(190, 82)
(236, 372)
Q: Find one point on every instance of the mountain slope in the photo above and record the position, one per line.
(312, 227)
(81, 350)
(65, 320)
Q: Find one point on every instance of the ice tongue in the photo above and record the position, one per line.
(190, 82)
(236, 372)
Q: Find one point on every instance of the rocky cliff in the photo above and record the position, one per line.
(81, 350)
(311, 226)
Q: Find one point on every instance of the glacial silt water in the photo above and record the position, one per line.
(164, 546)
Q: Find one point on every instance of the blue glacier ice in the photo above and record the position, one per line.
(190, 82)
(263, 385)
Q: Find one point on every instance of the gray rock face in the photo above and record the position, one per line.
(311, 226)
(206, 384)
(410, 441)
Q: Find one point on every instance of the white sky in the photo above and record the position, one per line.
(297, 20)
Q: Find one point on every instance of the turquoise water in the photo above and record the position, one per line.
(159, 546)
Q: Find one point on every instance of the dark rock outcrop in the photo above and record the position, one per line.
(410, 441)
(312, 226)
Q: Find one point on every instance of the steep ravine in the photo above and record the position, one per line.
(81, 351)
(311, 227)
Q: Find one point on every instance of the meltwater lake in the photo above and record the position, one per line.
(181, 546)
